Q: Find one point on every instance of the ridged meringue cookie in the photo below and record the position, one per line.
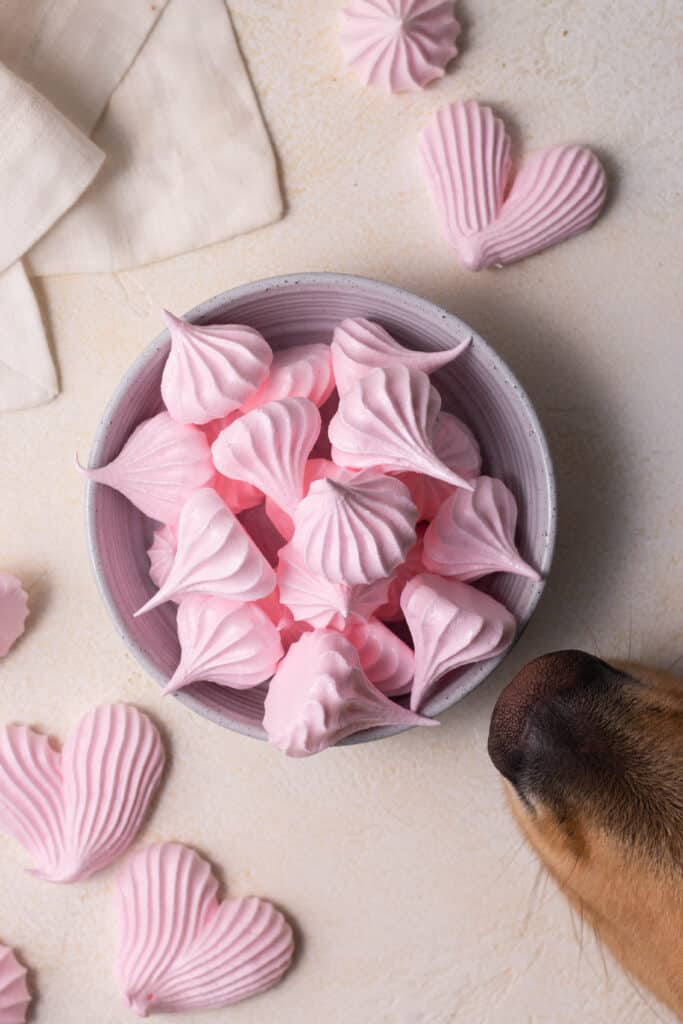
(315, 469)
(320, 694)
(77, 811)
(457, 447)
(269, 446)
(161, 554)
(452, 624)
(387, 420)
(473, 534)
(215, 555)
(159, 466)
(359, 346)
(15, 997)
(355, 531)
(13, 611)
(183, 950)
(212, 369)
(466, 154)
(302, 371)
(222, 642)
(390, 611)
(399, 45)
(387, 661)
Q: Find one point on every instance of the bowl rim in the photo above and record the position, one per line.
(318, 279)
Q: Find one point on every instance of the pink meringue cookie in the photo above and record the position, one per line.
(303, 371)
(222, 642)
(386, 420)
(320, 694)
(359, 346)
(355, 531)
(15, 997)
(212, 369)
(390, 611)
(387, 661)
(215, 556)
(159, 466)
(315, 469)
(452, 624)
(473, 534)
(77, 811)
(181, 949)
(13, 611)
(161, 554)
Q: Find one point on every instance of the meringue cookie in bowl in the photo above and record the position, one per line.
(13, 611)
(15, 997)
(319, 601)
(303, 371)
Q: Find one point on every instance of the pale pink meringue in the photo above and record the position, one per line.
(473, 534)
(222, 642)
(316, 600)
(303, 371)
(452, 624)
(15, 997)
(359, 346)
(457, 447)
(13, 611)
(159, 466)
(387, 661)
(161, 554)
(212, 369)
(77, 811)
(387, 420)
(215, 555)
(390, 611)
(315, 469)
(320, 694)
(399, 45)
(354, 531)
(181, 949)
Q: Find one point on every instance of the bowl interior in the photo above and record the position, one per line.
(478, 387)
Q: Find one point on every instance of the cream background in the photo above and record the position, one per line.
(416, 901)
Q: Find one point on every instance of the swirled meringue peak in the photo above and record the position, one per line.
(212, 369)
(302, 371)
(387, 661)
(399, 45)
(15, 997)
(315, 469)
(359, 346)
(473, 534)
(180, 948)
(452, 624)
(161, 554)
(215, 555)
(320, 694)
(13, 611)
(319, 601)
(387, 420)
(222, 642)
(77, 811)
(159, 466)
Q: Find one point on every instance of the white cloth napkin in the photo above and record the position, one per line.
(179, 155)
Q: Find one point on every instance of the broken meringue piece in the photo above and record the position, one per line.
(319, 601)
(302, 371)
(212, 369)
(180, 948)
(15, 997)
(473, 534)
(320, 694)
(13, 611)
(452, 624)
(161, 554)
(215, 555)
(77, 811)
(387, 661)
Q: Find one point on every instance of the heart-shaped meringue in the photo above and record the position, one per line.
(77, 811)
(161, 554)
(452, 624)
(303, 371)
(181, 949)
(354, 531)
(13, 611)
(387, 420)
(390, 611)
(359, 346)
(315, 469)
(320, 602)
(15, 997)
(473, 534)
(387, 661)
(320, 694)
(222, 642)
(159, 466)
(212, 369)
(215, 555)
(557, 193)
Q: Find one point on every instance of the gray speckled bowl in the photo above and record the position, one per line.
(478, 387)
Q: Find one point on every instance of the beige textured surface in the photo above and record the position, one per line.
(398, 860)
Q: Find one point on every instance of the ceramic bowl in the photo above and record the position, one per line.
(291, 310)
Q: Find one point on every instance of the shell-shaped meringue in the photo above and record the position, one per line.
(15, 997)
(13, 611)
(387, 661)
(302, 371)
(161, 554)
(473, 534)
(452, 624)
(268, 447)
(315, 469)
(387, 420)
(159, 466)
(215, 555)
(222, 642)
(355, 531)
(183, 950)
(359, 346)
(320, 694)
(399, 45)
(390, 611)
(212, 369)
(77, 811)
